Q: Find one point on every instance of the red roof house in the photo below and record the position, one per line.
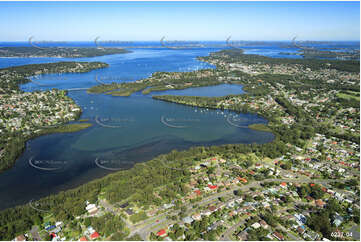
(83, 238)
(212, 186)
(320, 203)
(278, 236)
(161, 232)
(94, 235)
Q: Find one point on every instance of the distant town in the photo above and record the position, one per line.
(58, 52)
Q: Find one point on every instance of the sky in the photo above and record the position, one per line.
(136, 21)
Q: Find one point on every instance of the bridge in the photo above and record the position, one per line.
(77, 89)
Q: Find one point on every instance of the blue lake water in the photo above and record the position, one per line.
(125, 130)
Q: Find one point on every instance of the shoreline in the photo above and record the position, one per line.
(21, 138)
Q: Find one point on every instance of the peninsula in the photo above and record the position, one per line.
(58, 52)
(26, 115)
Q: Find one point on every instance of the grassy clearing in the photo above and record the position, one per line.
(69, 128)
(259, 127)
(349, 95)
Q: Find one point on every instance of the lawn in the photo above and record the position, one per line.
(349, 95)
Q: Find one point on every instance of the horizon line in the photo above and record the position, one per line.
(170, 40)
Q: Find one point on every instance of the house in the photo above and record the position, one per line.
(197, 216)
(212, 187)
(283, 184)
(20, 238)
(161, 233)
(53, 237)
(188, 220)
(57, 224)
(94, 235)
(338, 196)
(90, 230)
(255, 225)
(168, 205)
(92, 209)
(90, 206)
(330, 192)
(337, 221)
(231, 204)
(206, 213)
(212, 208)
(198, 192)
(258, 166)
(319, 203)
(278, 236)
(301, 229)
(263, 224)
(311, 235)
(244, 180)
(83, 238)
(124, 205)
(266, 205)
(300, 219)
(152, 212)
(129, 211)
